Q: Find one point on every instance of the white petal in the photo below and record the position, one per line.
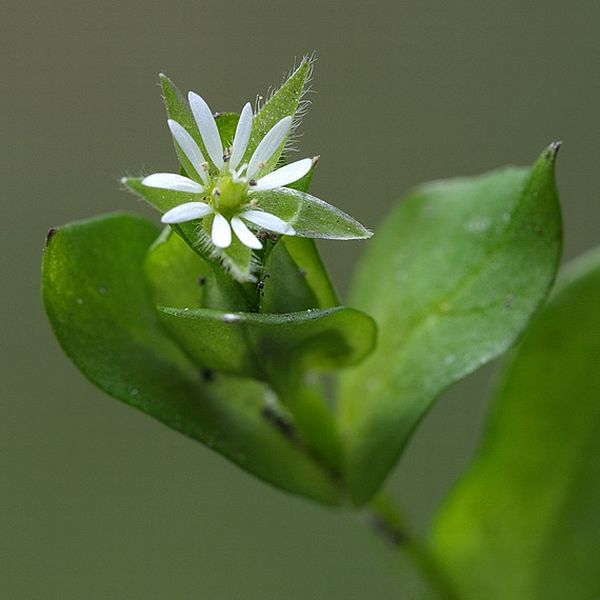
(189, 147)
(244, 234)
(186, 212)
(268, 221)
(269, 144)
(284, 175)
(242, 135)
(172, 181)
(221, 232)
(208, 128)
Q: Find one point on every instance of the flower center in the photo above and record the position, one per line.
(229, 194)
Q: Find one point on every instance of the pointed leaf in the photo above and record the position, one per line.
(310, 216)
(452, 278)
(528, 506)
(95, 296)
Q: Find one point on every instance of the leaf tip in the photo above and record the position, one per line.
(552, 150)
(49, 235)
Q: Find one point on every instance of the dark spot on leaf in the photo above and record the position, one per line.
(201, 280)
(208, 375)
(302, 272)
(508, 301)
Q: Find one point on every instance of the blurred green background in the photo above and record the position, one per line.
(100, 502)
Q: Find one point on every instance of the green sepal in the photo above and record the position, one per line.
(179, 110)
(294, 276)
(164, 200)
(283, 103)
(310, 216)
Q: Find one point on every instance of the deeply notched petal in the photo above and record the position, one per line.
(221, 232)
(284, 175)
(269, 145)
(189, 147)
(186, 212)
(268, 221)
(172, 181)
(208, 128)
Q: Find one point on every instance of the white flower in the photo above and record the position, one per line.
(224, 185)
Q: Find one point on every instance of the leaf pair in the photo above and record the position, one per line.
(197, 370)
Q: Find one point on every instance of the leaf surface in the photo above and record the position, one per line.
(452, 278)
(523, 522)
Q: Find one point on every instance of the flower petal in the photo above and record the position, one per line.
(186, 212)
(221, 232)
(268, 221)
(284, 175)
(269, 145)
(208, 128)
(242, 135)
(244, 234)
(189, 147)
(172, 181)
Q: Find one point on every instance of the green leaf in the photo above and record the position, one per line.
(284, 102)
(179, 277)
(95, 296)
(279, 349)
(310, 216)
(263, 346)
(523, 522)
(452, 278)
(294, 278)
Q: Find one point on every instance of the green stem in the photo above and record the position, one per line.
(388, 523)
